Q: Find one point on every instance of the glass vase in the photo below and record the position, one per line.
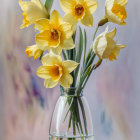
(71, 119)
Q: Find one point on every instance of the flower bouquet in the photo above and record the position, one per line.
(66, 59)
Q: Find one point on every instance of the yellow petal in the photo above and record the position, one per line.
(29, 52)
(56, 19)
(115, 14)
(51, 59)
(121, 46)
(37, 2)
(68, 44)
(55, 72)
(66, 80)
(69, 66)
(66, 30)
(105, 47)
(113, 18)
(112, 33)
(34, 10)
(34, 51)
(121, 2)
(116, 50)
(112, 57)
(92, 5)
(49, 83)
(37, 53)
(44, 40)
(43, 72)
(43, 24)
(87, 19)
(57, 50)
(100, 46)
(70, 19)
(67, 5)
(25, 21)
(119, 11)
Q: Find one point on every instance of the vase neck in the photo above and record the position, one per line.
(71, 92)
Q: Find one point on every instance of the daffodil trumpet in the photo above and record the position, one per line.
(55, 34)
(34, 51)
(55, 71)
(105, 47)
(115, 11)
(79, 10)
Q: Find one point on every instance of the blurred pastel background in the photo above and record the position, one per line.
(113, 91)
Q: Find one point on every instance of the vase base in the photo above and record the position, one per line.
(54, 137)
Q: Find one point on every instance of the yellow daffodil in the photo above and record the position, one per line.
(79, 10)
(33, 51)
(55, 71)
(115, 11)
(105, 47)
(32, 10)
(55, 34)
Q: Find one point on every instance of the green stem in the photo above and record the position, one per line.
(64, 55)
(83, 114)
(41, 56)
(94, 36)
(85, 44)
(89, 62)
(88, 76)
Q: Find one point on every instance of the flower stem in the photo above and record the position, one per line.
(41, 56)
(48, 5)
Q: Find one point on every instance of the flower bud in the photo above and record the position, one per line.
(102, 22)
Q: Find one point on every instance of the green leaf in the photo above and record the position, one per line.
(85, 46)
(64, 54)
(90, 60)
(85, 74)
(84, 83)
(83, 114)
(48, 5)
(79, 51)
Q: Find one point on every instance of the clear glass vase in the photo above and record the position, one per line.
(71, 119)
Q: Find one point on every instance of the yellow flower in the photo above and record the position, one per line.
(33, 51)
(105, 47)
(32, 10)
(115, 11)
(55, 34)
(79, 10)
(55, 71)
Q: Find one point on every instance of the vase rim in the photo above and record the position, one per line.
(71, 92)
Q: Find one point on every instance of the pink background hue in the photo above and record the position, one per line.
(112, 91)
